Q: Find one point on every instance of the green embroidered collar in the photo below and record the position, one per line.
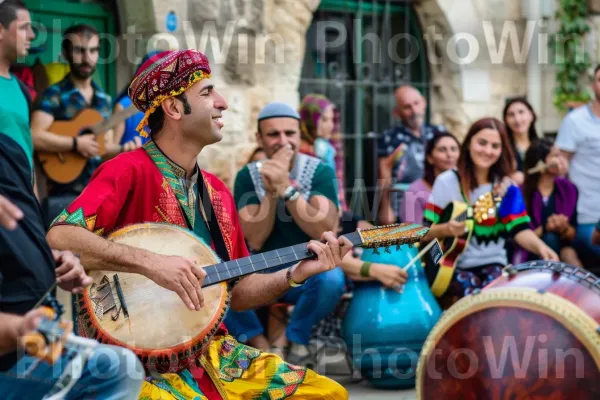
(175, 176)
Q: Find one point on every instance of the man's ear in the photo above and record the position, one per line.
(171, 108)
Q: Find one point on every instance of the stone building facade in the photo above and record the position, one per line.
(257, 49)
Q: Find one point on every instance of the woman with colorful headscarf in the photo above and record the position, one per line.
(321, 136)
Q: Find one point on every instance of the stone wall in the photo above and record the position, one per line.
(257, 47)
(470, 80)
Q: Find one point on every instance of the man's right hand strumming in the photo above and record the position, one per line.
(182, 276)
(87, 145)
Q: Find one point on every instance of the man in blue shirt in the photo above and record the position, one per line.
(401, 149)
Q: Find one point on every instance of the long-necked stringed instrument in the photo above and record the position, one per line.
(130, 310)
(67, 166)
(484, 209)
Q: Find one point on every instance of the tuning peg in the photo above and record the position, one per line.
(397, 247)
(375, 251)
(387, 250)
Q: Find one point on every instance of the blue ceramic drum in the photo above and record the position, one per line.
(385, 330)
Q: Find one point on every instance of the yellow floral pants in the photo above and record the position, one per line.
(242, 372)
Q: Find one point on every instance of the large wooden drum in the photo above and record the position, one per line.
(533, 333)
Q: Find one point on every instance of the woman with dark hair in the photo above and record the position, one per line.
(551, 200)
(441, 154)
(520, 119)
(486, 161)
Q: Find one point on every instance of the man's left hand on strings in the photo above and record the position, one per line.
(330, 252)
(70, 274)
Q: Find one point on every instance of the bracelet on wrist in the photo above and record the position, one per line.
(75, 144)
(365, 269)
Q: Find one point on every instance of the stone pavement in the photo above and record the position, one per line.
(364, 391)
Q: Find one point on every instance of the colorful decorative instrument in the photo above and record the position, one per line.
(132, 311)
(67, 166)
(532, 333)
(484, 208)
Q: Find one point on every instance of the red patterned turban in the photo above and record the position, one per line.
(165, 75)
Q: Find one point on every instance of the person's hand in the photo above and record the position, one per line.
(134, 144)
(455, 228)
(87, 145)
(562, 223)
(501, 188)
(559, 166)
(518, 177)
(9, 214)
(30, 321)
(558, 223)
(70, 274)
(546, 253)
(390, 276)
(276, 170)
(181, 275)
(329, 255)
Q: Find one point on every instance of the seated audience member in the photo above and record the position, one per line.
(288, 199)
(29, 268)
(401, 149)
(519, 119)
(551, 200)
(321, 137)
(441, 154)
(485, 164)
(579, 141)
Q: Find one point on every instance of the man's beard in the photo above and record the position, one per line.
(415, 122)
(76, 70)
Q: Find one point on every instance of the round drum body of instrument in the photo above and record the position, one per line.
(532, 333)
(130, 310)
(385, 330)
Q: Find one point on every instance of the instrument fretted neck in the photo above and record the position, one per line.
(371, 238)
(113, 120)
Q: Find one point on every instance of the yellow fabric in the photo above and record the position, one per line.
(56, 72)
(242, 372)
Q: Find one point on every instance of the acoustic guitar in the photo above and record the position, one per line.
(484, 208)
(65, 167)
(130, 310)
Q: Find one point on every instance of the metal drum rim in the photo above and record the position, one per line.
(567, 313)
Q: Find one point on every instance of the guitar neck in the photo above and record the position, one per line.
(113, 120)
(240, 267)
(377, 237)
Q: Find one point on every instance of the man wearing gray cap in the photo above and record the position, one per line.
(288, 199)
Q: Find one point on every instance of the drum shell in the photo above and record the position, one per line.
(542, 315)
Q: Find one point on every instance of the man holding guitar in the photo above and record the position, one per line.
(64, 101)
(161, 182)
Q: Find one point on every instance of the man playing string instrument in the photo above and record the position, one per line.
(160, 183)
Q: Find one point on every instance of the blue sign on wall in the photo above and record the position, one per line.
(171, 21)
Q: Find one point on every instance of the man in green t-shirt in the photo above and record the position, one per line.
(288, 199)
(15, 38)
